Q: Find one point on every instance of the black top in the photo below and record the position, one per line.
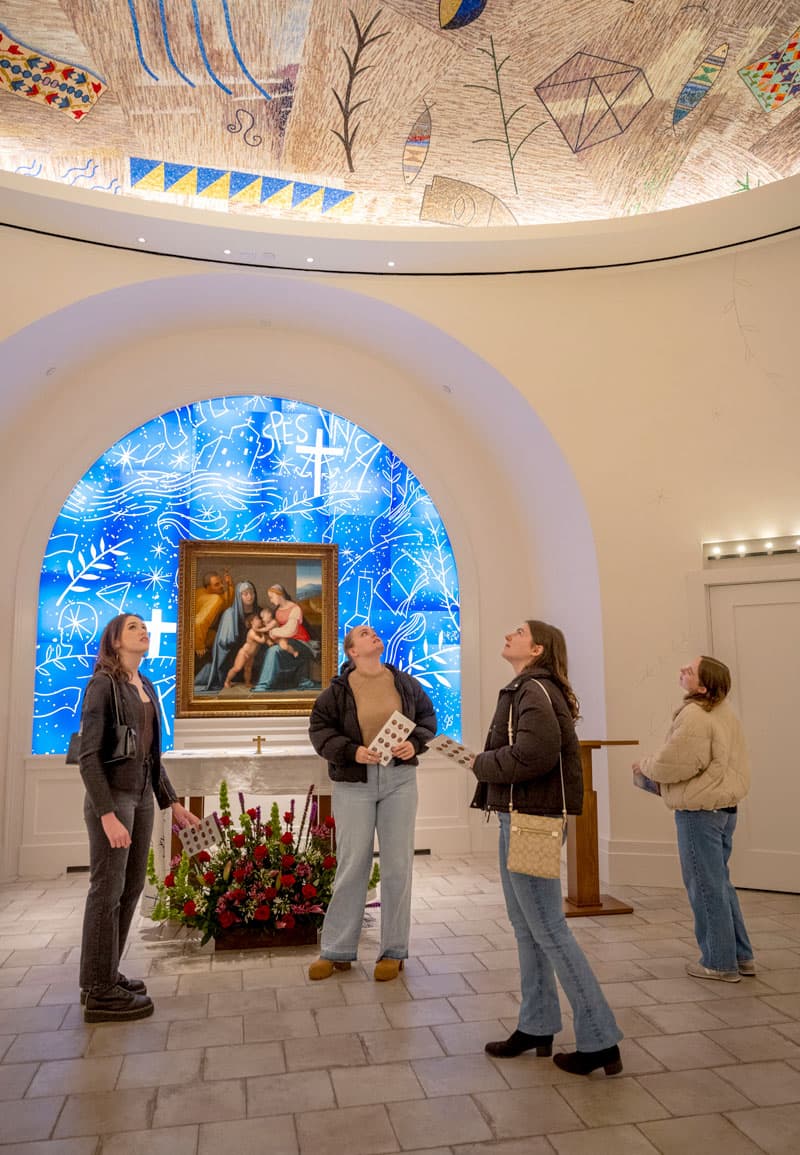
(336, 735)
(531, 762)
(98, 721)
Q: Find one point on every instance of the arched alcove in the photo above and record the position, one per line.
(514, 514)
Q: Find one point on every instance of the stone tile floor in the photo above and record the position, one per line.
(244, 1054)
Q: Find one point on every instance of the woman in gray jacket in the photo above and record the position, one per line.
(704, 772)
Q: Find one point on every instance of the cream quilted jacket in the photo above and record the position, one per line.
(703, 764)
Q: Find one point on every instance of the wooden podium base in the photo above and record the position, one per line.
(607, 905)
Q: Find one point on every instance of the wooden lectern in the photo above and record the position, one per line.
(583, 864)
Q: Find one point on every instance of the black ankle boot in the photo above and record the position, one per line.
(135, 986)
(584, 1062)
(116, 1006)
(518, 1043)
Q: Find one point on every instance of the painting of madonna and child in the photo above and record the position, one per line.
(256, 627)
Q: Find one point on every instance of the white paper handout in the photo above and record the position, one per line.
(393, 731)
(461, 754)
(197, 838)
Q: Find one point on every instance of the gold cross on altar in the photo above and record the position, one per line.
(259, 738)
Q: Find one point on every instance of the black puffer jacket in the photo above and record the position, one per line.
(531, 763)
(336, 735)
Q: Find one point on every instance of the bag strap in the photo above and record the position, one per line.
(560, 759)
(115, 696)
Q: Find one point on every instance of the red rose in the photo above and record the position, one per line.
(238, 840)
(225, 820)
(259, 852)
(169, 881)
(286, 922)
(287, 880)
(287, 861)
(189, 909)
(270, 892)
(328, 862)
(288, 816)
(287, 838)
(268, 831)
(309, 891)
(226, 919)
(253, 813)
(329, 822)
(204, 856)
(209, 878)
(240, 874)
(262, 913)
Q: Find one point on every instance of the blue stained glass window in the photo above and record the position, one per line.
(242, 468)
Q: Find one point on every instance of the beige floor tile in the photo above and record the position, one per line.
(208, 1102)
(631, 1022)
(636, 1060)
(469, 1038)
(362, 994)
(462, 944)
(693, 1092)
(48, 1045)
(76, 1076)
(421, 1013)
(225, 1004)
(789, 1031)
(31, 1119)
(384, 1083)
(85, 1145)
(473, 1008)
(401, 1045)
(425, 986)
(745, 1012)
(15, 1078)
(308, 998)
(614, 951)
(529, 1145)
(601, 1102)
(261, 979)
(349, 1020)
(243, 1060)
(127, 1038)
(686, 1052)
(205, 1033)
(620, 972)
(289, 1094)
(247, 1137)
(623, 1140)
(530, 1111)
(679, 1018)
(451, 964)
(788, 1005)
(680, 990)
(269, 1027)
(492, 982)
(774, 1129)
(765, 1084)
(459, 1075)
(207, 982)
(709, 1134)
(787, 981)
(497, 960)
(756, 1044)
(171, 1010)
(330, 1051)
(777, 960)
(52, 959)
(27, 1020)
(445, 1121)
(164, 1141)
(10, 976)
(5, 1043)
(104, 1113)
(27, 995)
(161, 1068)
(627, 995)
(678, 947)
(356, 1130)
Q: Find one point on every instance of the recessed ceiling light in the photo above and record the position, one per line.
(390, 264)
(141, 240)
(226, 252)
(310, 260)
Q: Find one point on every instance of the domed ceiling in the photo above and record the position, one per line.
(404, 112)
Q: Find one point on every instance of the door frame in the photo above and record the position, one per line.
(700, 583)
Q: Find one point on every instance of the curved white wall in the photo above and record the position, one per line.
(518, 524)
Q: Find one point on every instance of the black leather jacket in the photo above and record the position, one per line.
(336, 735)
(97, 729)
(530, 763)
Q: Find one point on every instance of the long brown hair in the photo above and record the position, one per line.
(554, 659)
(716, 677)
(107, 655)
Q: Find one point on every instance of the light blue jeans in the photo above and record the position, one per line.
(386, 803)
(705, 842)
(547, 949)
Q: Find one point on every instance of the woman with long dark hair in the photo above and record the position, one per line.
(118, 811)
(532, 759)
(704, 773)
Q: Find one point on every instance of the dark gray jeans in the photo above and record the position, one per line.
(116, 881)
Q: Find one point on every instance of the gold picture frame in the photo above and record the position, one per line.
(257, 627)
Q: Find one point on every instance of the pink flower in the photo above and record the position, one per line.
(286, 922)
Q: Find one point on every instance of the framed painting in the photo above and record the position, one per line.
(257, 629)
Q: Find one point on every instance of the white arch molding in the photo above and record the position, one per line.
(516, 519)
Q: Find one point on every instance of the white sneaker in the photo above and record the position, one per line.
(698, 971)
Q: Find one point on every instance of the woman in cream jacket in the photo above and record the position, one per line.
(704, 772)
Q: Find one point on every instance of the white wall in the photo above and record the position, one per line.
(600, 426)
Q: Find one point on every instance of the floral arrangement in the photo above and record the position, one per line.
(270, 875)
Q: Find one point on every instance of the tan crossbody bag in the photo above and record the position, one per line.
(534, 840)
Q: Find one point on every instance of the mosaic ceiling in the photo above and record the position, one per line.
(403, 112)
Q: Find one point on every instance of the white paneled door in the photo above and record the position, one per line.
(755, 629)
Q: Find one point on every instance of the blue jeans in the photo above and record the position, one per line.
(386, 803)
(705, 841)
(547, 949)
